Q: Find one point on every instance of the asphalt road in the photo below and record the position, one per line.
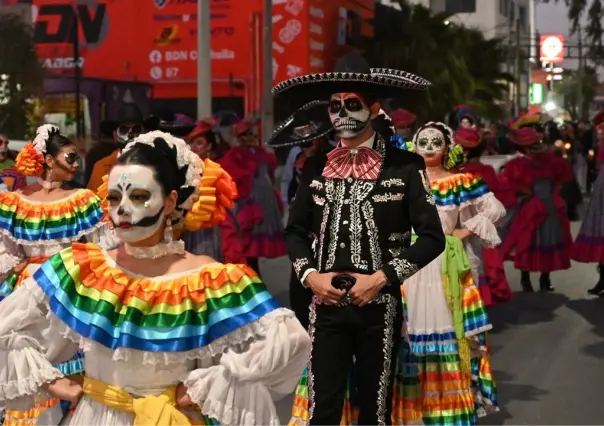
(548, 349)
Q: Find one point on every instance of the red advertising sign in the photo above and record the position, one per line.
(552, 48)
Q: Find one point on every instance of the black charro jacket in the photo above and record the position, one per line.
(362, 226)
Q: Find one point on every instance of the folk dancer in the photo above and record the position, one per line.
(345, 245)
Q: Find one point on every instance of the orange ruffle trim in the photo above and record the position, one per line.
(29, 162)
(30, 211)
(96, 272)
(217, 194)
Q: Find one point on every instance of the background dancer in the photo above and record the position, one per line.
(8, 173)
(444, 375)
(589, 244)
(220, 242)
(41, 219)
(306, 128)
(491, 280)
(536, 231)
(347, 248)
(259, 208)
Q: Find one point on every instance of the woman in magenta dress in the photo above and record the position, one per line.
(589, 245)
(492, 282)
(259, 208)
(536, 230)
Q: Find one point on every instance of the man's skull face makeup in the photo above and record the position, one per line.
(3, 148)
(136, 202)
(349, 115)
(466, 123)
(126, 133)
(431, 143)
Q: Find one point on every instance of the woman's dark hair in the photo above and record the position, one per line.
(218, 145)
(162, 160)
(56, 142)
(477, 151)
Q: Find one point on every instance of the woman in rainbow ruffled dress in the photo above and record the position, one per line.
(444, 373)
(39, 220)
(170, 338)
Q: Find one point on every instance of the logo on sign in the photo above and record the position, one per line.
(155, 57)
(552, 48)
(168, 36)
(155, 73)
(54, 23)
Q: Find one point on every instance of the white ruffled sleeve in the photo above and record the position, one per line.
(30, 342)
(104, 237)
(480, 216)
(11, 254)
(240, 388)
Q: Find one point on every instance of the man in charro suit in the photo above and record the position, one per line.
(349, 238)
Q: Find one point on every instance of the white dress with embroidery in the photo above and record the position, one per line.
(216, 329)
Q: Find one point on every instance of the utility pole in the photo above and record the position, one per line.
(267, 74)
(77, 73)
(204, 60)
(517, 70)
(580, 76)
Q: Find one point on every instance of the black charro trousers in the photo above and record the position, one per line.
(369, 334)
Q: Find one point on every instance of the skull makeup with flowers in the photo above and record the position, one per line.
(430, 141)
(349, 114)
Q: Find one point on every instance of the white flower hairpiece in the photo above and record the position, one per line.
(184, 157)
(42, 134)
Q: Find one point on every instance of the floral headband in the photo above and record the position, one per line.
(30, 161)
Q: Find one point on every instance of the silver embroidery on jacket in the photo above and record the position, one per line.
(404, 269)
(299, 264)
(392, 182)
(334, 224)
(395, 252)
(372, 233)
(316, 184)
(389, 196)
(320, 201)
(358, 193)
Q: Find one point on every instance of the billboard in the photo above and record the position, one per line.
(155, 41)
(552, 48)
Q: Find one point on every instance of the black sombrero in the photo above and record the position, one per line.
(352, 74)
(308, 123)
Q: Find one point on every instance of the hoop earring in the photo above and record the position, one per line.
(168, 234)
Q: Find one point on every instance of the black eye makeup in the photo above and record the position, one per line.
(71, 158)
(351, 104)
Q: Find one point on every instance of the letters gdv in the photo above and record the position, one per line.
(91, 22)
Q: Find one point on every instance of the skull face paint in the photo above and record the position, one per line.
(430, 142)
(136, 202)
(126, 133)
(349, 115)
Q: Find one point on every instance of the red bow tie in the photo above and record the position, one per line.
(360, 163)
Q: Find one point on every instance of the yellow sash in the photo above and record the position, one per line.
(148, 411)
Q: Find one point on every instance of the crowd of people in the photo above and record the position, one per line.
(397, 233)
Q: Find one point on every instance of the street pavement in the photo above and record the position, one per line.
(547, 348)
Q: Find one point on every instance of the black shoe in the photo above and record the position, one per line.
(527, 287)
(599, 288)
(545, 283)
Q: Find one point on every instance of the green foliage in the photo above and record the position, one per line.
(21, 75)
(463, 66)
(567, 91)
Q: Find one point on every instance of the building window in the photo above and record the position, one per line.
(522, 17)
(503, 7)
(460, 6)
